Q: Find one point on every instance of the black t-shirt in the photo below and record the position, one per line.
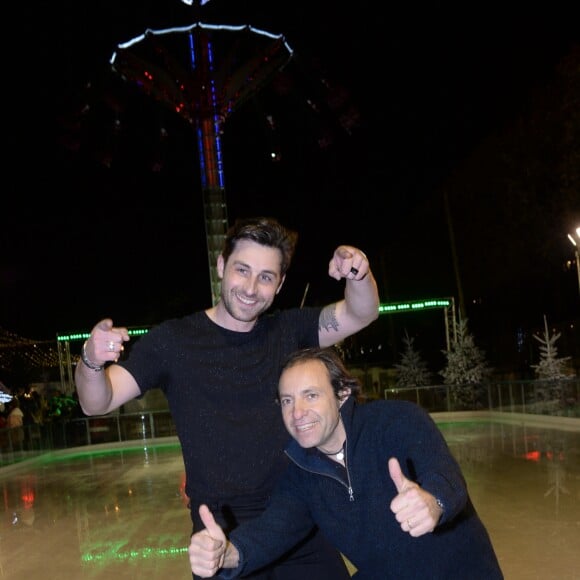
(221, 389)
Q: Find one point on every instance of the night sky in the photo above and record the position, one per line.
(102, 209)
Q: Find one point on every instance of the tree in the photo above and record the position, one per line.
(412, 370)
(550, 366)
(550, 371)
(466, 368)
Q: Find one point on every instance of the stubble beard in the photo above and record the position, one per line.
(238, 313)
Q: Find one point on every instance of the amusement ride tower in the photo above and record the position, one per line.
(203, 72)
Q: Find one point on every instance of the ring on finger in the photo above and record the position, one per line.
(111, 346)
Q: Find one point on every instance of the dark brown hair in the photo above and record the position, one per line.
(266, 232)
(340, 377)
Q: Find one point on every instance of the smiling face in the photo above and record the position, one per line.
(310, 409)
(251, 278)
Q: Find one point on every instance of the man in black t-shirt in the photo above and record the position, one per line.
(219, 370)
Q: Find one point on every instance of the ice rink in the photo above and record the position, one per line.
(119, 512)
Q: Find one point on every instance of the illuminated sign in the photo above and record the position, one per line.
(414, 305)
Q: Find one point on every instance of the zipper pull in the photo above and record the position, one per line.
(350, 494)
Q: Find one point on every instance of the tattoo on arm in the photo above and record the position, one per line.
(327, 318)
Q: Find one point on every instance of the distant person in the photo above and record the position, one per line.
(15, 422)
(28, 405)
(219, 371)
(3, 428)
(40, 407)
(378, 479)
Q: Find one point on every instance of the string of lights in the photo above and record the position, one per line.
(17, 350)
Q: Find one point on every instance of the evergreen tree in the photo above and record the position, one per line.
(550, 366)
(412, 370)
(550, 371)
(466, 368)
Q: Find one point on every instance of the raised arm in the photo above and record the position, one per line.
(360, 305)
(101, 389)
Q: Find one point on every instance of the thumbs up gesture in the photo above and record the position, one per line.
(209, 547)
(415, 509)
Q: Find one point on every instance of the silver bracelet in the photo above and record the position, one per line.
(87, 362)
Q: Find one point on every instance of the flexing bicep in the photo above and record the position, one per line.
(104, 391)
(336, 323)
(124, 386)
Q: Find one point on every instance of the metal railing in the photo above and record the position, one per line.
(538, 397)
(30, 441)
(547, 398)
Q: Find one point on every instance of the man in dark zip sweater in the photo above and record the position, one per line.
(378, 479)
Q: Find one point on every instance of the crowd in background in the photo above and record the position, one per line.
(28, 407)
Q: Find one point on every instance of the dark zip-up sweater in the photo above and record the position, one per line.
(351, 504)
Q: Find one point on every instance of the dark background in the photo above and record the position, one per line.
(379, 115)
